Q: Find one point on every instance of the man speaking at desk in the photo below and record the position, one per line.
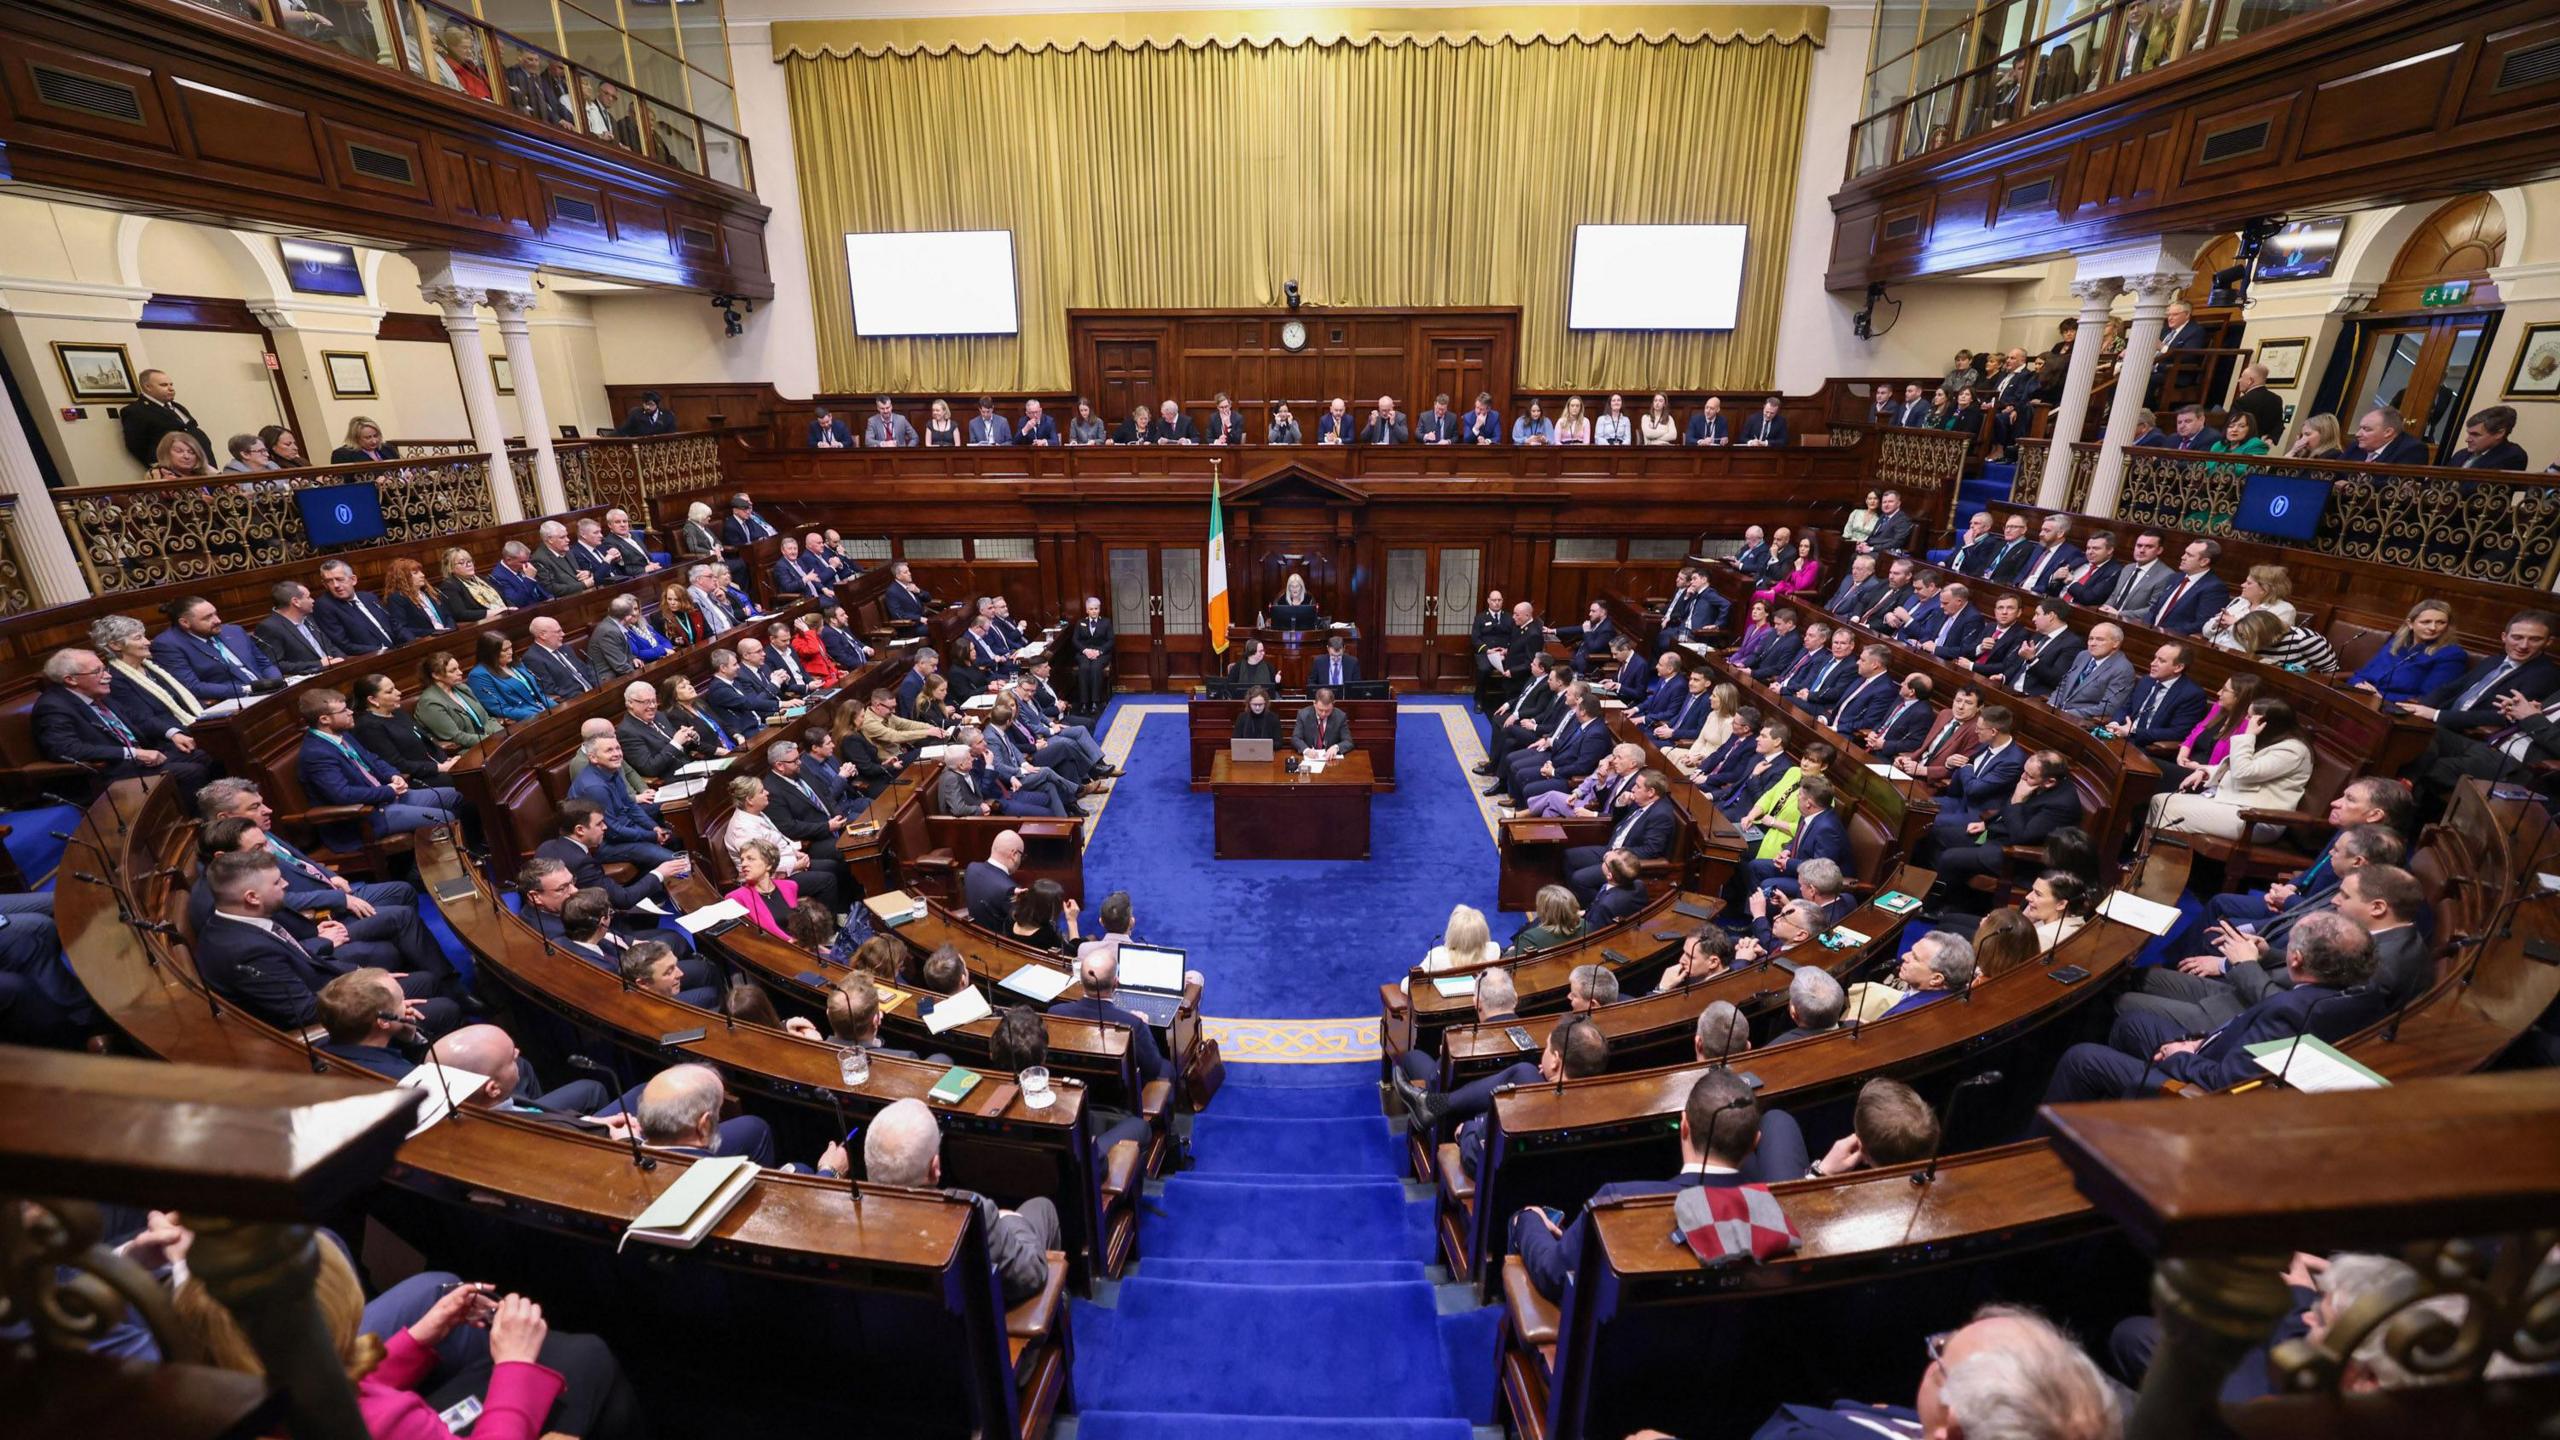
(1323, 733)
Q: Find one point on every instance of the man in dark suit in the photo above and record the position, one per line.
(988, 886)
(2520, 669)
(634, 831)
(1821, 834)
(1861, 588)
(2094, 579)
(630, 548)
(649, 417)
(744, 526)
(904, 1147)
(552, 663)
(1870, 695)
(2041, 802)
(362, 1012)
(742, 699)
(827, 432)
(546, 884)
(1439, 425)
(801, 812)
(1037, 429)
(2044, 659)
(337, 770)
(1226, 423)
(2009, 561)
(1719, 1130)
(1575, 1048)
(1483, 423)
(796, 573)
(1785, 647)
(1098, 967)
(1700, 610)
(904, 600)
(1906, 720)
(2054, 557)
(2196, 595)
(1976, 547)
(157, 413)
(2166, 705)
(1322, 730)
(2329, 959)
(1527, 715)
(213, 660)
(558, 569)
(380, 920)
(579, 843)
(261, 954)
(1581, 741)
(2362, 881)
(1385, 426)
(1751, 558)
(1590, 639)
(653, 744)
(1950, 629)
(1892, 603)
(352, 621)
(2013, 396)
(1335, 667)
(2485, 445)
(1768, 427)
(1683, 706)
(2382, 438)
(609, 643)
(1895, 529)
(1708, 426)
(289, 635)
(515, 579)
(1646, 827)
(2040, 1371)
(2179, 332)
(78, 721)
(1913, 413)
(1823, 682)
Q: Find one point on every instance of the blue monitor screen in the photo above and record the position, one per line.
(341, 514)
(2287, 507)
(314, 267)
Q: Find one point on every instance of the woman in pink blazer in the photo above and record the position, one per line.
(767, 896)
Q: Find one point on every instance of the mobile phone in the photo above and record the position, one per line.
(2070, 974)
(1748, 1077)
(683, 1037)
(1520, 1038)
(458, 1416)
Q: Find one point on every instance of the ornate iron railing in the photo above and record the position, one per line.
(152, 532)
(427, 449)
(2028, 482)
(576, 481)
(16, 595)
(1927, 460)
(2450, 522)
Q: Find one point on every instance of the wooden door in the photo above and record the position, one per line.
(1461, 368)
(1129, 375)
(1432, 592)
(1157, 598)
(2426, 369)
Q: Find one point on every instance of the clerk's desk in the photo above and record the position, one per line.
(1292, 651)
(1373, 732)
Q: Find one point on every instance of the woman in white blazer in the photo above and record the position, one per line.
(2269, 768)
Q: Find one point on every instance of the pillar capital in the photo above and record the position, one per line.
(513, 305)
(2097, 291)
(2154, 291)
(458, 302)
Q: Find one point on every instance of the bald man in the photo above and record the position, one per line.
(904, 1147)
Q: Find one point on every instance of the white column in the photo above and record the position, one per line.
(53, 572)
(514, 308)
(2151, 297)
(2096, 296)
(460, 307)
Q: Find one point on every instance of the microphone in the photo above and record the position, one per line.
(1723, 1061)
(310, 1052)
(640, 1159)
(1706, 1142)
(1946, 1122)
(444, 1084)
(2309, 1013)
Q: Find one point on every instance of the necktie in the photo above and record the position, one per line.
(366, 610)
(1938, 742)
(2471, 697)
(113, 722)
(356, 760)
(2176, 593)
(1626, 827)
(232, 660)
(1334, 672)
(571, 663)
(2079, 671)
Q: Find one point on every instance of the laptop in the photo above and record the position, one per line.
(1243, 749)
(1151, 981)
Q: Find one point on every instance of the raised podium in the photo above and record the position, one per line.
(1292, 651)
(1263, 812)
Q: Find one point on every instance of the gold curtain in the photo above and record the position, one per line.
(1375, 174)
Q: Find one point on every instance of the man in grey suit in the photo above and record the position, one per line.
(2144, 581)
(1323, 731)
(609, 644)
(2098, 683)
(904, 1147)
(887, 428)
(554, 565)
(2204, 992)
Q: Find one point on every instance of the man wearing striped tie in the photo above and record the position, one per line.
(78, 722)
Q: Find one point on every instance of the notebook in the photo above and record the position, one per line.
(894, 907)
(700, 1198)
(1038, 982)
(951, 1011)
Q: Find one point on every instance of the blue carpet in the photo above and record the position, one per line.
(1289, 939)
(1281, 1288)
(32, 846)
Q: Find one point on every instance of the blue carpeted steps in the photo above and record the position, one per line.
(1284, 1288)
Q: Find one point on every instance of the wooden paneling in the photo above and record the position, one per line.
(2363, 104)
(158, 107)
(1123, 357)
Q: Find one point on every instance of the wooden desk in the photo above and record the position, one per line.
(1266, 813)
(1293, 652)
(1373, 732)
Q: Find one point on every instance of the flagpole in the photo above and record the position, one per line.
(1217, 564)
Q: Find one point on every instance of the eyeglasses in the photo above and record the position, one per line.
(1936, 1345)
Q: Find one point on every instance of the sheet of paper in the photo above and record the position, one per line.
(1890, 772)
(444, 1089)
(675, 790)
(1454, 987)
(1037, 981)
(697, 921)
(952, 1010)
(2316, 1066)
(712, 766)
(231, 706)
(650, 904)
(2146, 915)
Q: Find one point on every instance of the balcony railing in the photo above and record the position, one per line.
(1962, 71)
(464, 56)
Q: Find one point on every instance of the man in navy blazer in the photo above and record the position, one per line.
(904, 599)
(1684, 707)
(2166, 705)
(828, 432)
(1699, 611)
(353, 621)
(1895, 529)
(1870, 695)
(554, 664)
(80, 720)
(1987, 775)
(336, 770)
(2093, 580)
(290, 636)
(1953, 628)
(633, 831)
(2041, 802)
(1907, 719)
(2330, 958)
(1754, 554)
(214, 660)
(259, 952)
(1226, 422)
(1098, 966)
(2383, 438)
(1037, 428)
(1337, 666)
(1913, 413)
(2520, 668)
(1785, 647)
(1336, 425)
(1645, 828)
(1826, 682)
(1976, 547)
(1858, 590)
(2196, 595)
(1719, 1130)
(987, 885)
(1708, 426)
(2055, 651)
(1483, 425)
(1590, 639)
(1820, 835)
(1580, 744)
(515, 579)
(2054, 556)
(1768, 427)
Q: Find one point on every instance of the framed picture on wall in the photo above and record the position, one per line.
(2283, 359)
(96, 374)
(504, 373)
(350, 374)
(2537, 372)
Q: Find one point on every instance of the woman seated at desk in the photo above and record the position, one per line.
(1295, 609)
(1254, 667)
(1257, 720)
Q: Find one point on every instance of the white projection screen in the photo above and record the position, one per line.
(1655, 277)
(932, 282)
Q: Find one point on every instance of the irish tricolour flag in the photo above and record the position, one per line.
(1217, 569)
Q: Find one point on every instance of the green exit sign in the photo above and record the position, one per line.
(2452, 292)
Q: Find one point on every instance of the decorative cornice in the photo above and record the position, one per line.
(1262, 29)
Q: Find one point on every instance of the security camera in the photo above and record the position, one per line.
(1291, 290)
(730, 319)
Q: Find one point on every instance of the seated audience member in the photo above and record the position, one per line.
(215, 661)
(1575, 1048)
(289, 635)
(1977, 549)
(2420, 657)
(559, 570)
(2267, 768)
(1939, 965)
(1785, 647)
(2485, 445)
(2054, 556)
(337, 770)
(1621, 897)
(904, 1147)
(2204, 991)
(940, 430)
(1820, 835)
(1601, 793)
(449, 707)
(1768, 427)
(1795, 577)
(634, 831)
(762, 889)
(2521, 670)
(82, 717)
(1098, 969)
(1891, 1125)
(361, 1013)
(258, 951)
(578, 842)
(553, 663)
(1386, 426)
(987, 427)
(2005, 940)
(2192, 432)
(2263, 635)
(1722, 1143)
(1647, 825)
(622, 641)
(886, 428)
(1974, 841)
(1814, 1003)
(1708, 426)
(1789, 923)
(2058, 905)
(2317, 440)
(504, 690)
(519, 584)
(2010, 1372)
(987, 885)
(410, 600)
(1437, 426)
(2165, 705)
(2045, 658)
(795, 572)
(2383, 438)
(680, 1108)
(2094, 579)
(808, 650)
(1556, 919)
(2328, 957)
(384, 729)
(1466, 940)
(743, 701)
(1043, 917)
(377, 923)
(351, 621)
(1037, 429)
(1895, 529)
(2100, 680)
(628, 547)
(1138, 429)
(468, 596)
